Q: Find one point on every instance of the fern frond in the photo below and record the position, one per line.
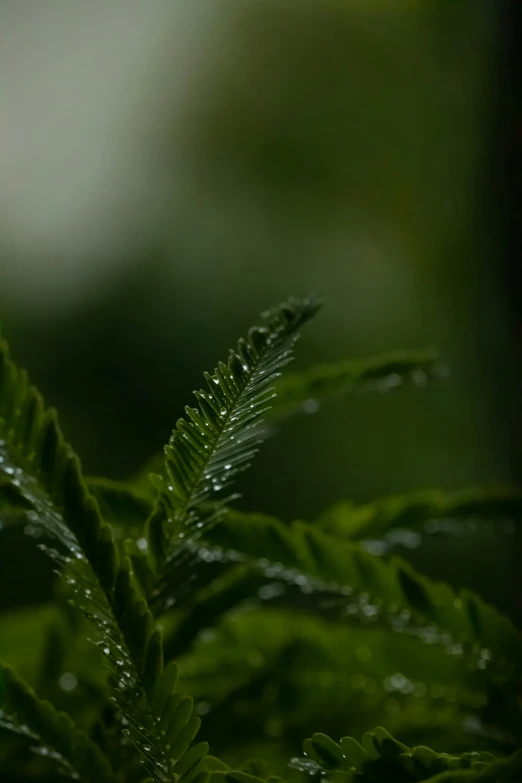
(381, 758)
(51, 734)
(257, 624)
(307, 390)
(36, 461)
(355, 584)
(503, 770)
(120, 503)
(121, 506)
(261, 666)
(432, 511)
(218, 439)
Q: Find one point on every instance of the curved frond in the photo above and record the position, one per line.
(50, 733)
(121, 506)
(307, 390)
(218, 439)
(503, 770)
(381, 758)
(260, 667)
(430, 511)
(347, 582)
(40, 465)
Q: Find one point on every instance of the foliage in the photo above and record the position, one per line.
(381, 757)
(272, 628)
(307, 390)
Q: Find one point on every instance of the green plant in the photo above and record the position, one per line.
(273, 629)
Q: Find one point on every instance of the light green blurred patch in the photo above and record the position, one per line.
(23, 638)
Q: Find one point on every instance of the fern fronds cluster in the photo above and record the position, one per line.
(380, 757)
(267, 625)
(46, 478)
(51, 733)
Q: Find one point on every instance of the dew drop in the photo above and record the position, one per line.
(67, 681)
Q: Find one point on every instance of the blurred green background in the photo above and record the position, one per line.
(167, 170)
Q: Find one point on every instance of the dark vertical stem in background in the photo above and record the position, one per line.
(504, 197)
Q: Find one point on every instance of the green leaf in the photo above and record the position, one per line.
(117, 546)
(218, 439)
(380, 757)
(35, 459)
(261, 666)
(504, 770)
(51, 734)
(347, 582)
(305, 391)
(121, 506)
(432, 511)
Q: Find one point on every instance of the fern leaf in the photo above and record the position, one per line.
(51, 734)
(243, 608)
(121, 506)
(36, 461)
(306, 391)
(296, 671)
(428, 511)
(218, 439)
(503, 770)
(380, 757)
(140, 481)
(356, 585)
